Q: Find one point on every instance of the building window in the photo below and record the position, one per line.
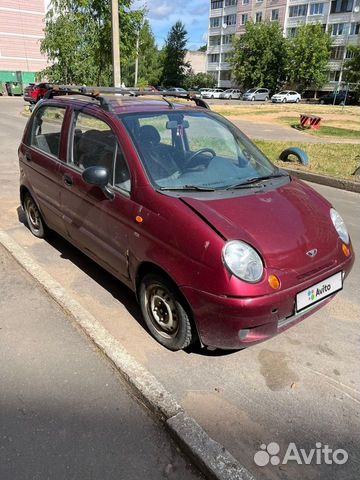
(245, 2)
(341, 6)
(227, 39)
(230, 3)
(298, 11)
(226, 56)
(354, 28)
(215, 22)
(244, 18)
(258, 17)
(338, 29)
(225, 75)
(291, 32)
(216, 4)
(274, 14)
(230, 19)
(214, 40)
(214, 58)
(337, 53)
(316, 9)
(334, 76)
(349, 54)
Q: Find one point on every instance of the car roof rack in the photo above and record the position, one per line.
(94, 93)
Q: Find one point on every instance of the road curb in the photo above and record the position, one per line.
(211, 458)
(348, 185)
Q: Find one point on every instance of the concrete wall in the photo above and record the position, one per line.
(197, 61)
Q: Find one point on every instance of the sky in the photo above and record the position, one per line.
(162, 14)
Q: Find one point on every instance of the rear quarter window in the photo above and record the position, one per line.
(45, 131)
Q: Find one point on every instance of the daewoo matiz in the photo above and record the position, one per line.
(218, 244)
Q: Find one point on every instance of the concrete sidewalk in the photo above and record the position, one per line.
(64, 411)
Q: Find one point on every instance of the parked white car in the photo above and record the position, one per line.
(212, 93)
(286, 96)
(231, 94)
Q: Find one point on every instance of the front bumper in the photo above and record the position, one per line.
(277, 100)
(234, 323)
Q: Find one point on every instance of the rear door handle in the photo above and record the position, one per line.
(68, 180)
(28, 156)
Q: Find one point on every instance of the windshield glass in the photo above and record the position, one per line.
(194, 149)
(285, 92)
(252, 90)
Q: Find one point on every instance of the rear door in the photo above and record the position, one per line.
(40, 157)
(100, 226)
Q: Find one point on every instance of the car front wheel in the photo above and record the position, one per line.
(164, 312)
(322, 102)
(297, 100)
(33, 217)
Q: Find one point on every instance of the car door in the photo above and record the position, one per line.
(40, 155)
(100, 226)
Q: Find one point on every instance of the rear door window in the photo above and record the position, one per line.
(46, 129)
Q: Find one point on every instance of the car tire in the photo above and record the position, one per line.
(253, 99)
(165, 312)
(322, 102)
(283, 100)
(212, 96)
(297, 100)
(33, 216)
(266, 99)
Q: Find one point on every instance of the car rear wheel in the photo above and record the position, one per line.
(297, 100)
(253, 99)
(33, 216)
(322, 102)
(165, 312)
(283, 100)
(266, 99)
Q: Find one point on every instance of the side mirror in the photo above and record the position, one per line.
(98, 176)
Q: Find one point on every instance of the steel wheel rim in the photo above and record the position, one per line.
(33, 215)
(162, 311)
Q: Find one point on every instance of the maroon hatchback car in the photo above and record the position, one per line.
(218, 244)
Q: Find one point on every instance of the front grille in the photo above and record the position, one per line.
(313, 272)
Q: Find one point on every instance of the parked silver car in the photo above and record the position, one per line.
(231, 94)
(212, 93)
(257, 94)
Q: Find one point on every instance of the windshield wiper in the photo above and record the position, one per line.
(188, 188)
(251, 182)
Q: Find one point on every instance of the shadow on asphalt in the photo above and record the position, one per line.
(115, 287)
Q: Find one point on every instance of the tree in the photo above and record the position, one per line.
(78, 40)
(310, 54)
(259, 57)
(203, 48)
(173, 56)
(352, 68)
(199, 80)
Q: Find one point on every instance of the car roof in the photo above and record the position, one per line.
(123, 104)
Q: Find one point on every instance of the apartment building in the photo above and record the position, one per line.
(21, 29)
(228, 17)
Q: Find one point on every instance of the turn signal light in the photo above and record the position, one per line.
(139, 219)
(346, 250)
(274, 282)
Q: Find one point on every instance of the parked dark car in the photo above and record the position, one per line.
(217, 243)
(339, 98)
(33, 93)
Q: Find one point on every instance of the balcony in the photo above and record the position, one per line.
(215, 67)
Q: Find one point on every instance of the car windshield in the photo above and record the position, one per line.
(252, 90)
(285, 92)
(229, 90)
(195, 150)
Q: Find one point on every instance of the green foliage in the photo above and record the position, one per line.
(310, 54)
(199, 80)
(352, 68)
(203, 48)
(259, 57)
(78, 40)
(173, 56)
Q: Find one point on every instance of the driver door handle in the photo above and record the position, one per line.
(68, 180)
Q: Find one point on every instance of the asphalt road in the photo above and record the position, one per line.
(302, 386)
(64, 412)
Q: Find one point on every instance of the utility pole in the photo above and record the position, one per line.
(137, 58)
(115, 42)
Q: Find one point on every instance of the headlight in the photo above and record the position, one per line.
(243, 261)
(339, 225)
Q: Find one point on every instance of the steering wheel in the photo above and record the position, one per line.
(195, 154)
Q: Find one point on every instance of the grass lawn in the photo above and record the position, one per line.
(325, 130)
(334, 159)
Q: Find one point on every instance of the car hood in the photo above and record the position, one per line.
(283, 224)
